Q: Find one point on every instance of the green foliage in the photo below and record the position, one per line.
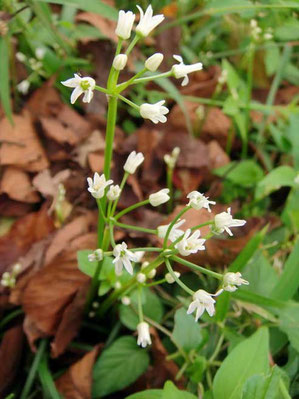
(186, 332)
(282, 176)
(4, 77)
(169, 391)
(118, 366)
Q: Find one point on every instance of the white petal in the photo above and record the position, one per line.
(75, 94)
(199, 312)
(185, 81)
(128, 265)
(192, 307)
(118, 267)
(178, 58)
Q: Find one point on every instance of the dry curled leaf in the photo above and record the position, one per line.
(17, 185)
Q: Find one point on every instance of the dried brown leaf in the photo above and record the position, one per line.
(17, 185)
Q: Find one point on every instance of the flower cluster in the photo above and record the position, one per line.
(9, 278)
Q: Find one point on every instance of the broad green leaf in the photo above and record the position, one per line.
(289, 31)
(248, 358)
(289, 280)
(272, 58)
(118, 366)
(4, 77)
(290, 214)
(148, 394)
(186, 332)
(289, 322)
(244, 173)
(293, 136)
(282, 176)
(84, 265)
(171, 391)
(152, 308)
(266, 387)
(98, 7)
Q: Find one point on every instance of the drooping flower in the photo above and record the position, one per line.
(124, 24)
(231, 281)
(155, 112)
(171, 159)
(181, 70)
(190, 244)
(198, 201)
(84, 85)
(23, 87)
(224, 220)
(123, 258)
(147, 21)
(96, 255)
(113, 192)
(175, 232)
(202, 301)
(169, 279)
(159, 197)
(98, 185)
(120, 61)
(133, 161)
(153, 62)
(144, 337)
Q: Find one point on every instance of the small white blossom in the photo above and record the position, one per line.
(84, 85)
(98, 185)
(202, 301)
(144, 337)
(23, 87)
(123, 258)
(126, 300)
(171, 159)
(198, 201)
(141, 278)
(181, 70)
(159, 198)
(124, 24)
(231, 280)
(175, 232)
(133, 161)
(224, 220)
(147, 21)
(95, 305)
(113, 192)
(91, 314)
(169, 279)
(21, 57)
(40, 53)
(153, 62)
(155, 112)
(139, 255)
(17, 267)
(190, 244)
(120, 61)
(96, 255)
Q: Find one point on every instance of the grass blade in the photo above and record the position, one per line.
(4, 77)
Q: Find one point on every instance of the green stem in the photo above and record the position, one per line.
(122, 184)
(131, 208)
(217, 349)
(169, 175)
(101, 89)
(129, 82)
(111, 234)
(125, 100)
(137, 228)
(132, 44)
(150, 78)
(10, 317)
(283, 390)
(196, 267)
(184, 210)
(140, 312)
(251, 52)
(198, 226)
(177, 280)
(33, 369)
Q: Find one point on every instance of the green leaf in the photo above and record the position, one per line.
(283, 176)
(84, 265)
(289, 322)
(288, 31)
(186, 332)
(293, 136)
(245, 173)
(98, 7)
(118, 366)
(289, 280)
(152, 308)
(272, 58)
(148, 394)
(248, 358)
(171, 391)
(265, 387)
(290, 214)
(4, 78)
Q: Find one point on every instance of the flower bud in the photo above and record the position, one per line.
(170, 279)
(160, 197)
(120, 61)
(113, 192)
(153, 62)
(124, 24)
(133, 161)
(141, 278)
(126, 300)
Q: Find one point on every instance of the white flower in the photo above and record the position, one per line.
(141, 278)
(126, 300)
(190, 244)
(113, 192)
(17, 267)
(40, 53)
(84, 85)
(202, 301)
(169, 279)
(231, 280)
(139, 255)
(198, 201)
(153, 62)
(147, 21)
(97, 185)
(171, 159)
(224, 220)
(181, 70)
(123, 258)
(120, 61)
(124, 24)
(20, 56)
(23, 86)
(155, 112)
(175, 232)
(96, 255)
(133, 161)
(159, 198)
(144, 337)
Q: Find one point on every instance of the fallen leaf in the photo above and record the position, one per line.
(104, 25)
(217, 156)
(96, 162)
(10, 356)
(20, 145)
(95, 142)
(17, 185)
(76, 382)
(45, 101)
